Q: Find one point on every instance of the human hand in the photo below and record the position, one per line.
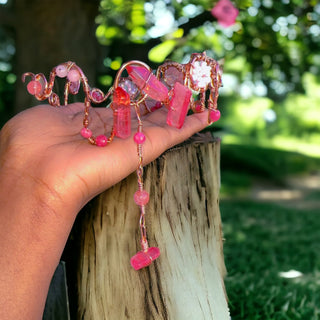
(43, 144)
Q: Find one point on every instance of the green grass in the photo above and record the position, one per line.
(241, 164)
(263, 240)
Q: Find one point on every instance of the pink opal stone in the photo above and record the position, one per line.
(214, 115)
(86, 133)
(101, 141)
(34, 87)
(73, 75)
(121, 113)
(97, 96)
(148, 82)
(61, 71)
(141, 198)
(179, 105)
(144, 258)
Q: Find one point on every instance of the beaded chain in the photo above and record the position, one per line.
(173, 85)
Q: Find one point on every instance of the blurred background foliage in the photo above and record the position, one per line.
(270, 57)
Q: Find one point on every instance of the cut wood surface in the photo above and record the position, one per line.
(183, 220)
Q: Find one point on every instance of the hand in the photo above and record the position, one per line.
(43, 144)
(48, 172)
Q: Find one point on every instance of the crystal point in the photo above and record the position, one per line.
(121, 113)
(144, 258)
(179, 105)
(148, 82)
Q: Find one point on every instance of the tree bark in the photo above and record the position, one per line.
(183, 220)
(50, 32)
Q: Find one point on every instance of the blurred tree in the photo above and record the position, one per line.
(272, 44)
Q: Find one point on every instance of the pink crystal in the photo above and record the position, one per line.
(225, 13)
(214, 115)
(101, 141)
(34, 87)
(86, 133)
(121, 113)
(141, 198)
(61, 71)
(148, 82)
(144, 258)
(179, 105)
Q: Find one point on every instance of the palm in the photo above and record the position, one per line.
(53, 150)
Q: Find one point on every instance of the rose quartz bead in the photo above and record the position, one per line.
(144, 258)
(141, 198)
(34, 87)
(139, 138)
(148, 82)
(86, 133)
(179, 105)
(214, 115)
(101, 141)
(61, 71)
(73, 75)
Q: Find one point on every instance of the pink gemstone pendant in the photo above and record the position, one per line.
(148, 83)
(144, 258)
(121, 113)
(179, 105)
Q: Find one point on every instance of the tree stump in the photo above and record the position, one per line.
(183, 220)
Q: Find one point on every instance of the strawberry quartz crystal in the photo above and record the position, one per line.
(179, 105)
(148, 82)
(121, 113)
(144, 258)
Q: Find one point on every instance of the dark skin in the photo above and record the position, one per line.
(48, 173)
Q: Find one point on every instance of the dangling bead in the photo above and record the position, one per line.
(101, 141)
(73, 75)
(139, 138)
(214, 115)
(141, 197)
(86, 133)
(144, 258)
(61, 71)
(34, 87)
